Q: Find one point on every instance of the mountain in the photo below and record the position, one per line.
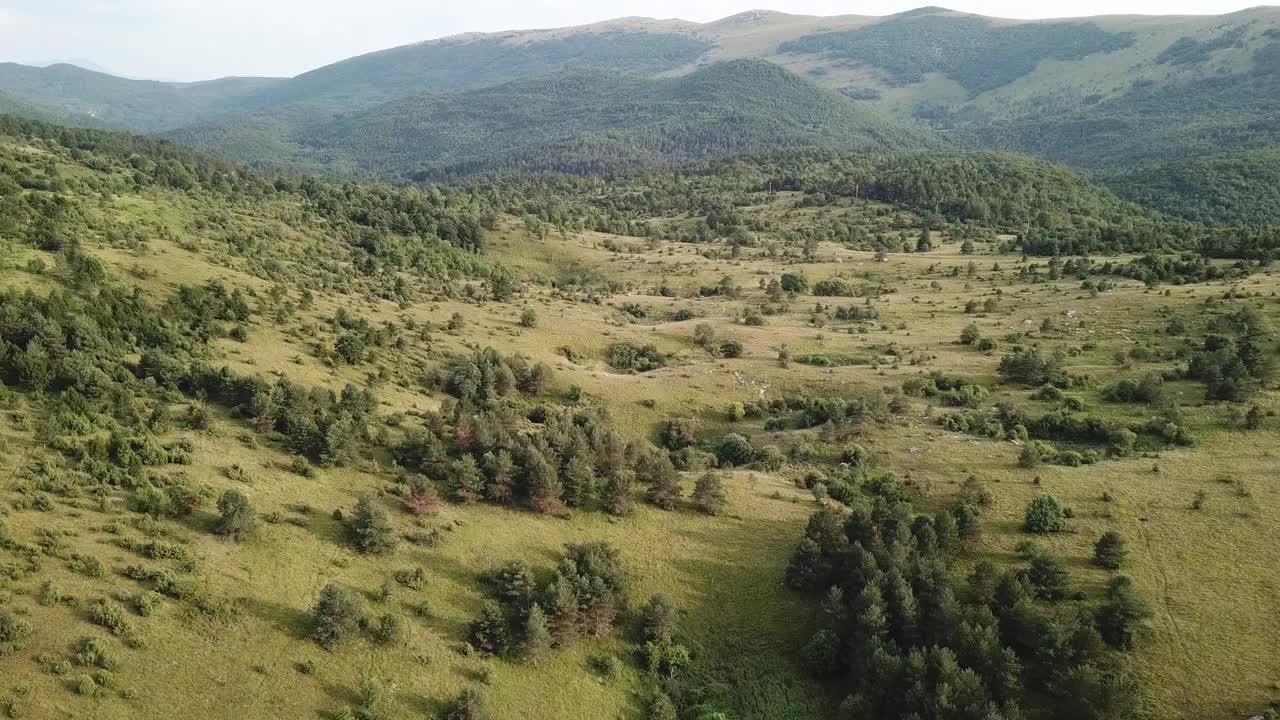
(584, 121)
(1106, 94)
(97, 99)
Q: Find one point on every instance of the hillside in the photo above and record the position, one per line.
(755, 439)
(1235, 188)
(595, 121)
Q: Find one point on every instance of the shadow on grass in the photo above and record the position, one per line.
(289, 620)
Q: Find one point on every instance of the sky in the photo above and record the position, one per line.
(203, 39)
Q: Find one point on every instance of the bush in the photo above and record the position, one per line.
(111, 616)
(529, 318)
(1044, 515)
(467, 706)
(735, 450)
(14, 632)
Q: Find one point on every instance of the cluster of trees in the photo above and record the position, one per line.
(1234, 366)
(950, 390)
(548, 459)
(1101, 437)
(1155, 269)
(530, 615)
(900, 639)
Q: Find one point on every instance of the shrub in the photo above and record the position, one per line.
(529, 318)
(111, 616)
(14, 632)
(970, 335)
(731, 349)
(467, 706)
(1044, 515)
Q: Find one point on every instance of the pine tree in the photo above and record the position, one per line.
(370, 529)
(1110, 551)
(616, 495)
(466, 484)
(537, 639)
(579, 482)
(337, 614)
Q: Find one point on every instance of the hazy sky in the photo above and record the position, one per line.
(202, 39)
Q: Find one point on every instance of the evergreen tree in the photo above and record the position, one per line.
(336, 615)
(709, 494)
(616, 496)
(1110, 550)
(466, 484)
(370, 529)
(537, 639)
(1044, 515)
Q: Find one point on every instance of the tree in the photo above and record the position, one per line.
(970, 335)
(664, 490)
(1048, 577)
(236, 516)
(1110, 551)
(466, 484)
(370, 529)
(734, 449)
(1123, 615)
(677, 434)
(490, 634)
(1044, 515)
(795, 283)
(709, 495)
(658, 620)
(1253, 418)
(925, 242)
(537, 640)
(336, 615)
(616, 495)
(529, 318)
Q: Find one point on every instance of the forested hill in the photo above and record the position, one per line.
(94, 99)
(1240, 188)
(590, 121)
